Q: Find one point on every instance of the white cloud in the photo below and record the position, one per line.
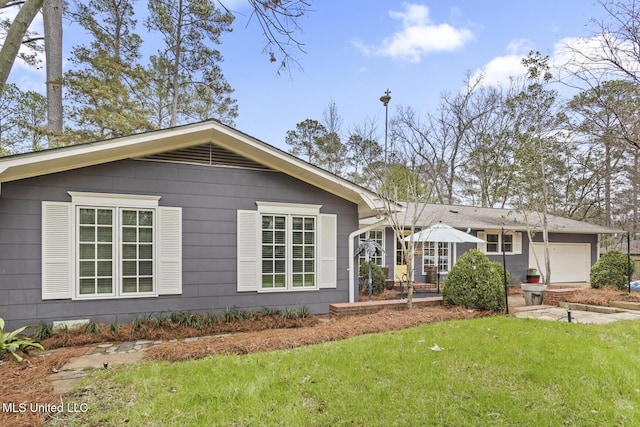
(418, 37)
(501, 69)
(520, 46)
(586, 56)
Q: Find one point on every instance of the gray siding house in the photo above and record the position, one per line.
(573, 244)
(198, 217)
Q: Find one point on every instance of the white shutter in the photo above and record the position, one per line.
(169, 251)
(482, 246)
(517, 243)
(57, 250)
(327, 251)
(248, 260)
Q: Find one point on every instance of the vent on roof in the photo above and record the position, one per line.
(206, 154)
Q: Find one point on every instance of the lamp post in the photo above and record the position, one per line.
(385, 101)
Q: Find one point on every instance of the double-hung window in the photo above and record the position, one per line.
(376, 236)
(436, 253)
(115, 251)
(288, 251)
(111, 246)
(494, 244)
(286, 247)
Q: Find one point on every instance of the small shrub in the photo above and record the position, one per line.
(300, 312)
(192, 320)
(475, 282)
(179, 317)
(270, 311)
(139, 326)
(377, 277)
(611, 270)
(114, 327)
(44, 331)
(13, 342)
(92, 328)
(231, 314)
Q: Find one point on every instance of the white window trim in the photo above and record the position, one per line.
(437, 257)
(289, 254)
(382, 257)
(114, 200)
(288, 208)
(249, 246)
(516, 242)
(118, 202)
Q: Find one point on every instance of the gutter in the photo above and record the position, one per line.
(352, 258)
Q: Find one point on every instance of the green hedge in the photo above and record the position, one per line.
(377, 278)
(475, 282)
(611, 270)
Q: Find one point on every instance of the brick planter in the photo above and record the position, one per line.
(556, 296)
(369, 307)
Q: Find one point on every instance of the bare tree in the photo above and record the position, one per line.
(440, 141)
(279, 21)
(404, 181)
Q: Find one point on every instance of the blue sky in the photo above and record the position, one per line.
(356, 49)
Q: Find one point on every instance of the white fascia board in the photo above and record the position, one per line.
(89, 154)
(368, 202)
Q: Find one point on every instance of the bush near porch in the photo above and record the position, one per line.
(475, 282)
(611, 270)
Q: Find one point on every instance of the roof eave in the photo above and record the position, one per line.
(141, 145)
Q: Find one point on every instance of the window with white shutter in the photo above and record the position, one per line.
(286, 247)
(110, 246)
(494, 245)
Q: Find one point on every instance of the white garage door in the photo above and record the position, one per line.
(570, 262)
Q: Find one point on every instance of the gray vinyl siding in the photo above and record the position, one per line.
(516, 264)
(209, 198)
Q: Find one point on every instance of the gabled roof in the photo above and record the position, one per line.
(475, 218)
(44, 162)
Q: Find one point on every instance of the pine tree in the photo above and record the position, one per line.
(196, 85)
(106, 79)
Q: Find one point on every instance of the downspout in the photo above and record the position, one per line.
(352, 260)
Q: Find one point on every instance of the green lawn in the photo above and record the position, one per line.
(490, 371)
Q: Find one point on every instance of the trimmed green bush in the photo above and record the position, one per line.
(475, 282)
(377, 277)
(611, 270)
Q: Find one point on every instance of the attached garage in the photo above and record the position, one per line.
(570, 262)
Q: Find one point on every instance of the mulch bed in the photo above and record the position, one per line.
(26, 381)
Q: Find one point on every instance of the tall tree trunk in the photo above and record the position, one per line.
(607, 182)
(52, 14)
(176, 67)
(13, 41)
(636, 189)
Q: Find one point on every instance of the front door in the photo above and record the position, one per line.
(401, 263)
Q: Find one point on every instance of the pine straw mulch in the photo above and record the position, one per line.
(603, 296)
(331, 329)
(26, 381)
(152, 330)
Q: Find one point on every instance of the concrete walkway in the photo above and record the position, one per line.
(578, 313)
(113, 354)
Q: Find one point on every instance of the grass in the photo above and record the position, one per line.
(491, 371)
